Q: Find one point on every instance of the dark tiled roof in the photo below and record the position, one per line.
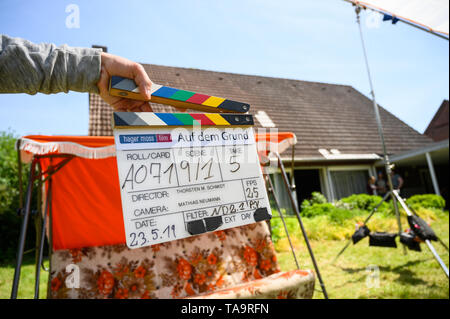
(322, 115)
(438, 127)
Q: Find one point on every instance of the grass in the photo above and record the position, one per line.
(415, 275)
(26, 285)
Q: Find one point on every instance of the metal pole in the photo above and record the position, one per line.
(272, 190)
(436, 256)
(50, 242)
(42, 239)
(38, 225)
(305, 236)
(19, 176)
(387, 163)
(293, 185)
(433, 174)
(430, 246)
(397, 214)
(23, 232)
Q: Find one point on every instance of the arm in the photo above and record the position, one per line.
(400, 182)
(30, 68)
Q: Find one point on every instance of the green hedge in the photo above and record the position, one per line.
(334, 213)
(277, 226)
(426, 201)
(336, 220)
(359, 204)
(364, 202)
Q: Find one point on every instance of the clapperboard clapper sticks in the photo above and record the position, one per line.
(123, 87)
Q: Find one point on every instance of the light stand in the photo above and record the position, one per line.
(393, 193)
(376, 109)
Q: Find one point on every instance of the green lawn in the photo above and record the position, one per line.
(26, 286)
(415, 275)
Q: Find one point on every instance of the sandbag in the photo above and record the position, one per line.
(360, 233)
(382, 239)
(409, 239)
(421, 228)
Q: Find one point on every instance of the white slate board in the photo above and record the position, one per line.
(181, 182)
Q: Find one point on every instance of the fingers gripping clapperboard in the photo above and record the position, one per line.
(184, 174)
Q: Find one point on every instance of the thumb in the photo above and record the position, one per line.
(142, 81)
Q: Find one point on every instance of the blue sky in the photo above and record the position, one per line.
(304, 40)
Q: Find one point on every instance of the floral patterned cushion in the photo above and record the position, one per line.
(178, 269)
(294, 284)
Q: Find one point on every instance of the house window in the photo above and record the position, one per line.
(307, 181)
(346, 183)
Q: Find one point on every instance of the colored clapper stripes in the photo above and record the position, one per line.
(179, 98)
(127, 119)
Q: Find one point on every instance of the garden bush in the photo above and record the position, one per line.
(277, 226)
(10, 221)
(337, 221)
(335, 214)
(363, 202)
(316, 198)
(426, 201)
(317, 210)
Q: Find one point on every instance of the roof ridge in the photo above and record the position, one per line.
(248, 75)
(436, 116)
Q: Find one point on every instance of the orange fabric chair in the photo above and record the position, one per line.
(87, 233)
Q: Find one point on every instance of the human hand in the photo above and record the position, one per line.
(115, 65)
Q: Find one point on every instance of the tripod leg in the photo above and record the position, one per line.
(282, 219)
(440, 240)
(430, 246)
(342, 250)
(42, 240)
(305, 236)
(443, 244)
(433, 251)
(23, 233)
(397, 214)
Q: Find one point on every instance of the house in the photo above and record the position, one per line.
(426, 168)
(338, 143)
(438, 127)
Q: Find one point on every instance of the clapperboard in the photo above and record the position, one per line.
(184, 174)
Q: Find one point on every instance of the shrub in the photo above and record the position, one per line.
(426, 201)
(9, 199)
(363, 202)
(277, 226)
(317, 209)
(316, 198)
(335, 215)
